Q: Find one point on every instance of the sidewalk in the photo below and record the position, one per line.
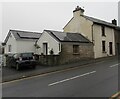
(9, 74)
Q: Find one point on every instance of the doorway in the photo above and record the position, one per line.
(45, 48)
(118, 48)
(110, 48)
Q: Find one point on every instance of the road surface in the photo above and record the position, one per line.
(94, 80)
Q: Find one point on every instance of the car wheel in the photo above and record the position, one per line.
(17, 67)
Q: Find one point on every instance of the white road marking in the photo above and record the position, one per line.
(71, 78)
(114, 65)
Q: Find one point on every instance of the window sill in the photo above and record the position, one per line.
(103, 35)
(104, 52)
(76, 53)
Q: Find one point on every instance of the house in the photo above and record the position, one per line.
(68, 47)
(100, 32)
(20, 41)
(117, 40)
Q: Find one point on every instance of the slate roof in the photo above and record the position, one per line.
(23, 35)
(95, 20)
(68, 37)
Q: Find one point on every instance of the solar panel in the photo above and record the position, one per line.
(29, 35)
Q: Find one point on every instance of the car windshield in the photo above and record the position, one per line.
(27, 55)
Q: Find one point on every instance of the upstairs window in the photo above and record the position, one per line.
(75, 49)
(9, 48)
(103, 46)
(103, 30)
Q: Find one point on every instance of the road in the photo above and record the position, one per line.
(94, 80)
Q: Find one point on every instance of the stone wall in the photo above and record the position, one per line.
(49, 60)
(67, 55)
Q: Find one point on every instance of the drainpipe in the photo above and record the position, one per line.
(92, 34)
(93, 41)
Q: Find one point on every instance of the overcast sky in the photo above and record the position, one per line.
(37, 16)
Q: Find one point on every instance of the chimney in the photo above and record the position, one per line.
(78, 11)
(114, 22)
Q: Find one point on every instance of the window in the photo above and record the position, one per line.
(76, 49)
(103, 46)
(9, 48)
(59, 47)
(103, 31)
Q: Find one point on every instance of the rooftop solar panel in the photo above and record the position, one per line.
(29, 35)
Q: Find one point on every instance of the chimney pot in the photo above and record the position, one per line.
(114, 22)
(79, 9)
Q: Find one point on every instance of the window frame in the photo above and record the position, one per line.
(9, 48)
(103, 30)
(76, 49)
(103, 46)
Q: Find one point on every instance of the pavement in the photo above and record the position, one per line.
(96, 79)
(9, 74)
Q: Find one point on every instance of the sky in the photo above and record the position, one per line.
(37, 16)
(119, 13)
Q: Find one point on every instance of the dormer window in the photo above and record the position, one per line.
(103, 30)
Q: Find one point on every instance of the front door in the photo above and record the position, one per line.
(45, 48)
(110, 48)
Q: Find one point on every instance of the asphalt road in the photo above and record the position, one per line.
(95, 80)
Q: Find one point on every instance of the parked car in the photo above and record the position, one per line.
(19, 60)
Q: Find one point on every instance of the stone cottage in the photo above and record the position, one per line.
(68, 47)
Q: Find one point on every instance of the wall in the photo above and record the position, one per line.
(25, 46)
(52, 43)
(79, 24)
(117, 41)
(67, 55)
(11, 41)
(109, 32)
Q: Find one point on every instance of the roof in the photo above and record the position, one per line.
(23, 35)
(95, 20)
(68, 37)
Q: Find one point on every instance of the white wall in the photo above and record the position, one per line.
(52, 43)
(25, 46)
(11, 41)
(80, 25)
(109, 32)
